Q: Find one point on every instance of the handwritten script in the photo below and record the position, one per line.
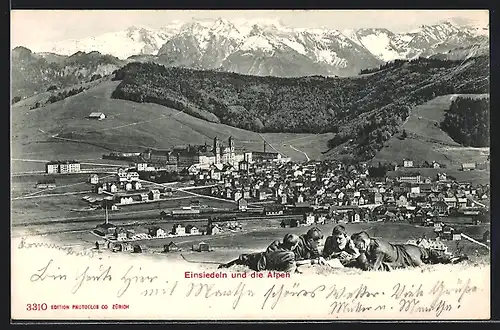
(436, 298)
(68, 250)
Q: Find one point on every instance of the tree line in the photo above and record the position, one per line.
(468, 121)
(367, 110)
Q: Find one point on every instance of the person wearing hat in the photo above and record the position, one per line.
(279, 256)
(340, 246)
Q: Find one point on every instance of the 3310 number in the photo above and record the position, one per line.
(36, 307)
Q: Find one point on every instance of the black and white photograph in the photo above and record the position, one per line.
(250, 164)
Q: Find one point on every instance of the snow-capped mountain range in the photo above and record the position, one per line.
(266, 47)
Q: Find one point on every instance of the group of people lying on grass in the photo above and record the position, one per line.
(357, 251)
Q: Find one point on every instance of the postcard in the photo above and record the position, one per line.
(250, 165)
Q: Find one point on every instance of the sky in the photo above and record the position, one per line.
(30, 27)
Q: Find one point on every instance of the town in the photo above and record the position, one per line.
(267, 185)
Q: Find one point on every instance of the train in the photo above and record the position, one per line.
(230, 215)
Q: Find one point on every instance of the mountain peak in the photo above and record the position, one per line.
(223, 26)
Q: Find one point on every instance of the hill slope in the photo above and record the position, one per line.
(367, 109)
(426, 141)
(310, 117)
(130, 126)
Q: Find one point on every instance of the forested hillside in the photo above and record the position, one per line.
(468, 122)
(365, 111)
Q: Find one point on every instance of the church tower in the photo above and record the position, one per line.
(231, 150)
(231, 144)
(216, 150)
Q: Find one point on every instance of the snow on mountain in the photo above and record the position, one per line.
(122, 44)
(423, 41)
(255, 46)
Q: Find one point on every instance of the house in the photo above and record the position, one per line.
(157, 232)
(154, 195)
(121, 176)
(201, 247)
(377, 198)
(93, 179)
(283, 199)
(300, 198)
(179, 230)
(125, 200)
(436, 164)
(97, 189)
(237, 194)
(213, 229)
(462, 202)
(141, 167)
(97, 115)
(63, 167)
(441, 207)
(309, 219)
(192, 230)
(105, 228)
(447, 233)
(441, 177)
(415, 190)
(411, 178)
(120, 234)
(353, 217)
(113, 188)
(468, 166)
(407, 163)
(450, 201)
(171, 247)
(52, 167)
(320, 219)
(128, 186)
(402, 201)
(242, 204)
(47, 183)
(132, 176)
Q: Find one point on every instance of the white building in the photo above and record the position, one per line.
(309, 218)
(94, 179)
(407, 163)
(97, 115)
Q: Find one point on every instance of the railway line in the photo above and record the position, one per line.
(145, 218)
(130, 222)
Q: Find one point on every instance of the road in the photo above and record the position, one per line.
(307, 157)
(52, 195)
(186, 190)
(50, 189)
(478, 203)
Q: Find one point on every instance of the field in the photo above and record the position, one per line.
(426, 141)
(257, 235)
(30, 205)
(131, 126)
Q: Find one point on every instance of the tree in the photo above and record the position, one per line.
(404, 135)
(16, 99)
